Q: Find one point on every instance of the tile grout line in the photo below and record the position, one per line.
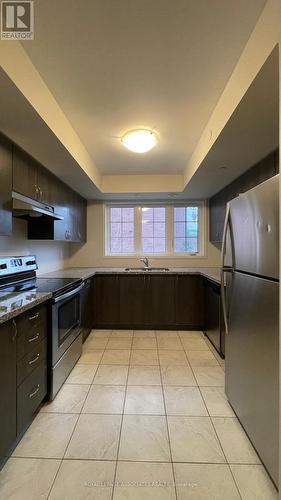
(135, 414)
(219, 442)
(121, 426)
(74, 428)
(167, 424)
(69, 459)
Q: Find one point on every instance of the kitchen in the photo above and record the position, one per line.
(139, 257)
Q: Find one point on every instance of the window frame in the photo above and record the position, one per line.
(169, 212)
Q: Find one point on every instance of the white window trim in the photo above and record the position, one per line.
(202, 231)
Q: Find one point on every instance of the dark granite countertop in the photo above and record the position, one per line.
(212, 273)
(13, 304)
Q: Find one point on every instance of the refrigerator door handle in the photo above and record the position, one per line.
(225, 269)
(225, 227)
(223, 299)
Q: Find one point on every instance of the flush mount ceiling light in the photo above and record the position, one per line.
(140, 140)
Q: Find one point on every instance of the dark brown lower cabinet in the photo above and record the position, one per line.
(29, 396)
(156, 301)
(8, 387)
(132, 292)
(189, 301)
(23, 373)
(106, 301)
(160, 305)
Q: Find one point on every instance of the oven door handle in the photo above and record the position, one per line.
(68, 294)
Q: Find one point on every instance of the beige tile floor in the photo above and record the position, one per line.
(142, 416)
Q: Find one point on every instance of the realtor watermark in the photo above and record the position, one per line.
(17, 20)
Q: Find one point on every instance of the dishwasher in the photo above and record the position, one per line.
(212, 320)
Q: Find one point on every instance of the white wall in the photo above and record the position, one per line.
(50, 255)
(91, 254)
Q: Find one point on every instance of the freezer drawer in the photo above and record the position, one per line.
(252, 363)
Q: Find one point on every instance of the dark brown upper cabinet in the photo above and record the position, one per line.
(24, 174)
(46, 182)
(5, 186)
(33, 180)
(72, 207)
(260, 172)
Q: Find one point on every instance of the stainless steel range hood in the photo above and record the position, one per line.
(26, 208)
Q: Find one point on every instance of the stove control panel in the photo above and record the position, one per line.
(14, 265)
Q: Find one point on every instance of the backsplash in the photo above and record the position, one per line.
(50, 255)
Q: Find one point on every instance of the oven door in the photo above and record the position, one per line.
(66, 321)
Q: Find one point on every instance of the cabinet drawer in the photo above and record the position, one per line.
(29, 339)
(30, 394)
(33, 359)
(32, 319)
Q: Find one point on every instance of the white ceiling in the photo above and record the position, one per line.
(113, 65)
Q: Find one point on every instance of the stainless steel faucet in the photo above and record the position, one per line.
(145, 261)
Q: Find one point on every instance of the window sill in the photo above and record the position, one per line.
(155, 256)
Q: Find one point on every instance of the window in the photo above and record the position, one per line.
(121, 230)
(186, 229)
(155, 230)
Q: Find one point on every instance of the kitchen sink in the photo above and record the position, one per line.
(147, 269)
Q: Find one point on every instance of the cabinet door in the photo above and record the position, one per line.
(189, 301)
(80, 218)
(73, 209)
(160, 301)
(217, 210)
(132, 300)
(24, 174)
(5, 187)
(106, 301)
(46, 189)
(8, 387)
(62, 207)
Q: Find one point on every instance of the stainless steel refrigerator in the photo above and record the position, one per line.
(250, 297)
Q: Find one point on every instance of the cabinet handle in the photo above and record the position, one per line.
(34, 338)
(34, 359)
(31, 318)
(33, 393)
(15, 331)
